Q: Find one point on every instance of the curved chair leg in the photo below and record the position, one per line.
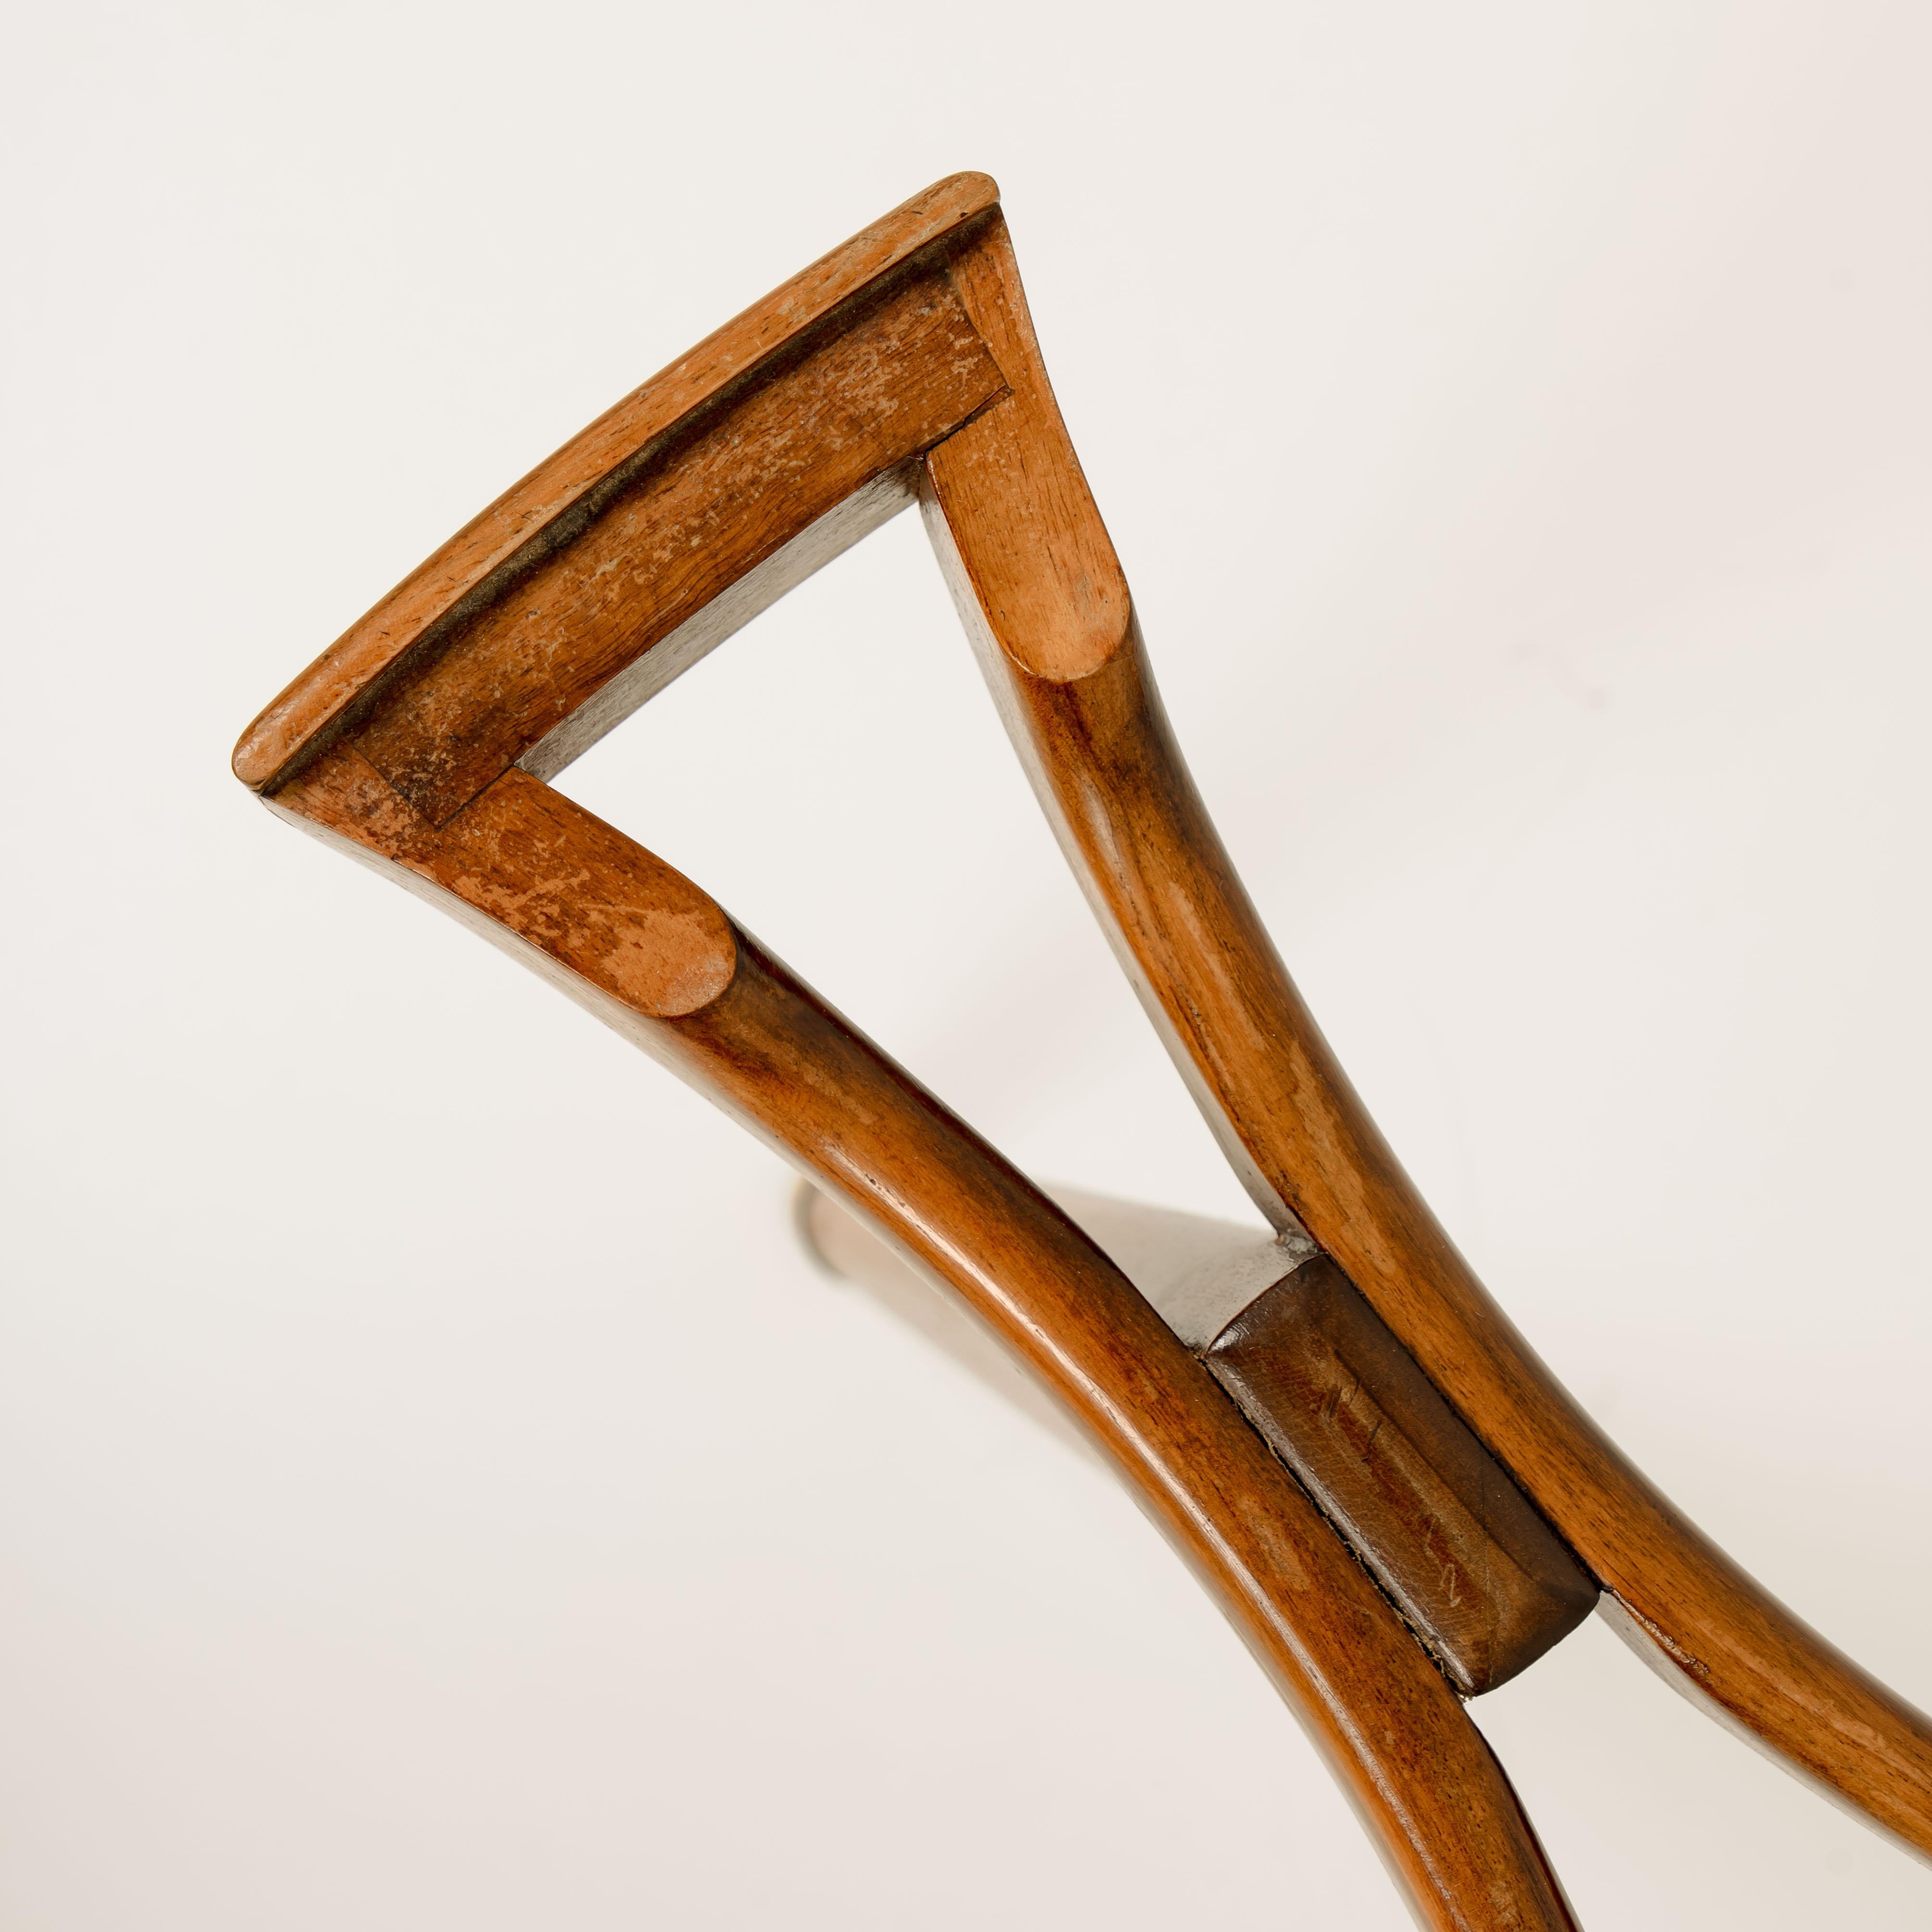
(1476, 1572)
(1053, 627)
(904, 365)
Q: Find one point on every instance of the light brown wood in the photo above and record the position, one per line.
(767, 1050)
(1106, 767)
(848, 1248)
(1397, 1738)
(591, 900)
(1477, 1574)
(420, 741)
(1050, 585)
(745, 477)
(518, 528)
(1295, 1129)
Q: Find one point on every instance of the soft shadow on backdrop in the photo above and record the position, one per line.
(433, 1489)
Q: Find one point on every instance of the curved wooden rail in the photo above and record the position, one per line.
(1068, 670)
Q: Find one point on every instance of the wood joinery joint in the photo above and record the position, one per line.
(1475, 1571)
(902, 367)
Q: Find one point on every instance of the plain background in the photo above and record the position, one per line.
(433, 1489)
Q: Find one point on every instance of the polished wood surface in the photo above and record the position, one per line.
(1090, 731)
(849, 1249)
(905, 362)
(519, 528)
(1472, 1566)
(1477, 1574)
(591, 901)
(730, 1019)
(1388, 1724)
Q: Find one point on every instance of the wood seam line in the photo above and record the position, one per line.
(509, 536)
(733, 1021)
(1396, 1610)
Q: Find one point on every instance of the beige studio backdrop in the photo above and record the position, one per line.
(434, 1490)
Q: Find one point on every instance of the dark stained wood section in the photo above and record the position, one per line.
(1029, 561)
(743, 479)
(307, 715)
(1097, 743)
(1478, 1574)
(729, 1019)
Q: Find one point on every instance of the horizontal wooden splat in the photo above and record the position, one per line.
(905, 363)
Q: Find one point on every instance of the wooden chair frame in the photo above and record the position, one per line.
(903, 367)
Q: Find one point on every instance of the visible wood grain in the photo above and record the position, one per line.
(743, 479)
(1475, 1572)
(869, 507)
(1050, 585)
(1474, 1568)
(773, 1054)
(666, 522)
(1106, 768)
(794, 1071)
(300, 720)
(1271, 1087)
(850, 1248)
(543, 869)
